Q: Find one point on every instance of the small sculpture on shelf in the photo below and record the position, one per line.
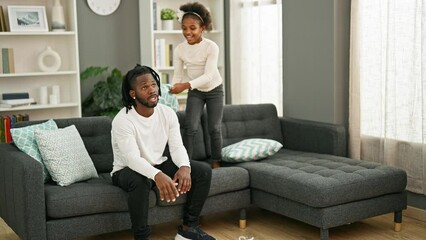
(49, 60)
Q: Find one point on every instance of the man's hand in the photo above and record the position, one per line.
(166, 186)
(179, 87)
(183, 178)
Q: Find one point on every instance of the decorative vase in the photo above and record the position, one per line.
(43, 95)
(167, 24)
(49, 60)
(58, 19)
(55, 97)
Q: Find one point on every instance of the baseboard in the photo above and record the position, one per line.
(416, 213)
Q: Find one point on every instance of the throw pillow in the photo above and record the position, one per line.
(65, 155)
(167, 98)
(250, 150)
(24, 139)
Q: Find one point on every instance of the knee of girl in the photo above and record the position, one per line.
(215, 131)
(190, 131)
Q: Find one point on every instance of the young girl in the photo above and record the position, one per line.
(200, 57)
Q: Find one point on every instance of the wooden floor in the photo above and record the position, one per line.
(265, 225)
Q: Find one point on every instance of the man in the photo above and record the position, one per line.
(140, 132)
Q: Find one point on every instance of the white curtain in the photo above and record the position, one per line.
(387, 121)
(256, 52)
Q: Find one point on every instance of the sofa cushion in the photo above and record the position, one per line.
(228, 179)
(93, 196)
(250, 121)
(224, 180)
(64, 155)
(321, 180)
(24, 139)
(96, 135)
(250, 150)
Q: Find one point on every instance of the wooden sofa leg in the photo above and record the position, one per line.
(215, 164)
(397, 219)
(324, 233)
(243, 223)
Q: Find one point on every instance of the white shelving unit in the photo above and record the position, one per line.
(148, 34)
(29, 78)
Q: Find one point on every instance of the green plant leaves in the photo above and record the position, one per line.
(167, 14)
(105, 98)
(92, 72)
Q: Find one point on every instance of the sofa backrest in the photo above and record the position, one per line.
(239, 122)
(250, 121)
(96, 135)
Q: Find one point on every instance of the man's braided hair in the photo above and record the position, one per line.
(130, 79)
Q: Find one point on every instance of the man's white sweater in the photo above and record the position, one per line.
(138, 142)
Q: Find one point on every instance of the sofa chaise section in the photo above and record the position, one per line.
(310, 179)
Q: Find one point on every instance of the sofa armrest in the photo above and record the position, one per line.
(311, 136)
(22, 203)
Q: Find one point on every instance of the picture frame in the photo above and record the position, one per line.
(27, 18)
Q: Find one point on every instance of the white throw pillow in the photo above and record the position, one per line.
(250, 150)
(65, 155)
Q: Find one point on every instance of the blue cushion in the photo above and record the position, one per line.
(24, 139)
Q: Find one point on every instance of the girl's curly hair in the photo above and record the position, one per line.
(201, 10)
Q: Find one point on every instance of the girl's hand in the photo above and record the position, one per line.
(179, 87)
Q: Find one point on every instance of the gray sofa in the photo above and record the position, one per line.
(310, 180)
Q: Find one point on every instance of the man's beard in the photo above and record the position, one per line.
(145, 103)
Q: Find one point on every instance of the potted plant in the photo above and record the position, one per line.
(105, 99)
(167, 16)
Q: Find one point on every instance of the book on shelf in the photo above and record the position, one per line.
(7, 135)
(165, 78)
(7, 122)
(160, 52)
(11, 60)
(15, 95)
(2, 130)
(163, 53)
(10, 103)
(3, 24)
(167, 55)
(154, 15)
(1, 63)
(170, 55)
(8, 60)
(18, 101)
(157, 58)
(5, 60)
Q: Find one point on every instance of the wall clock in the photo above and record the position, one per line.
(103, 7)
